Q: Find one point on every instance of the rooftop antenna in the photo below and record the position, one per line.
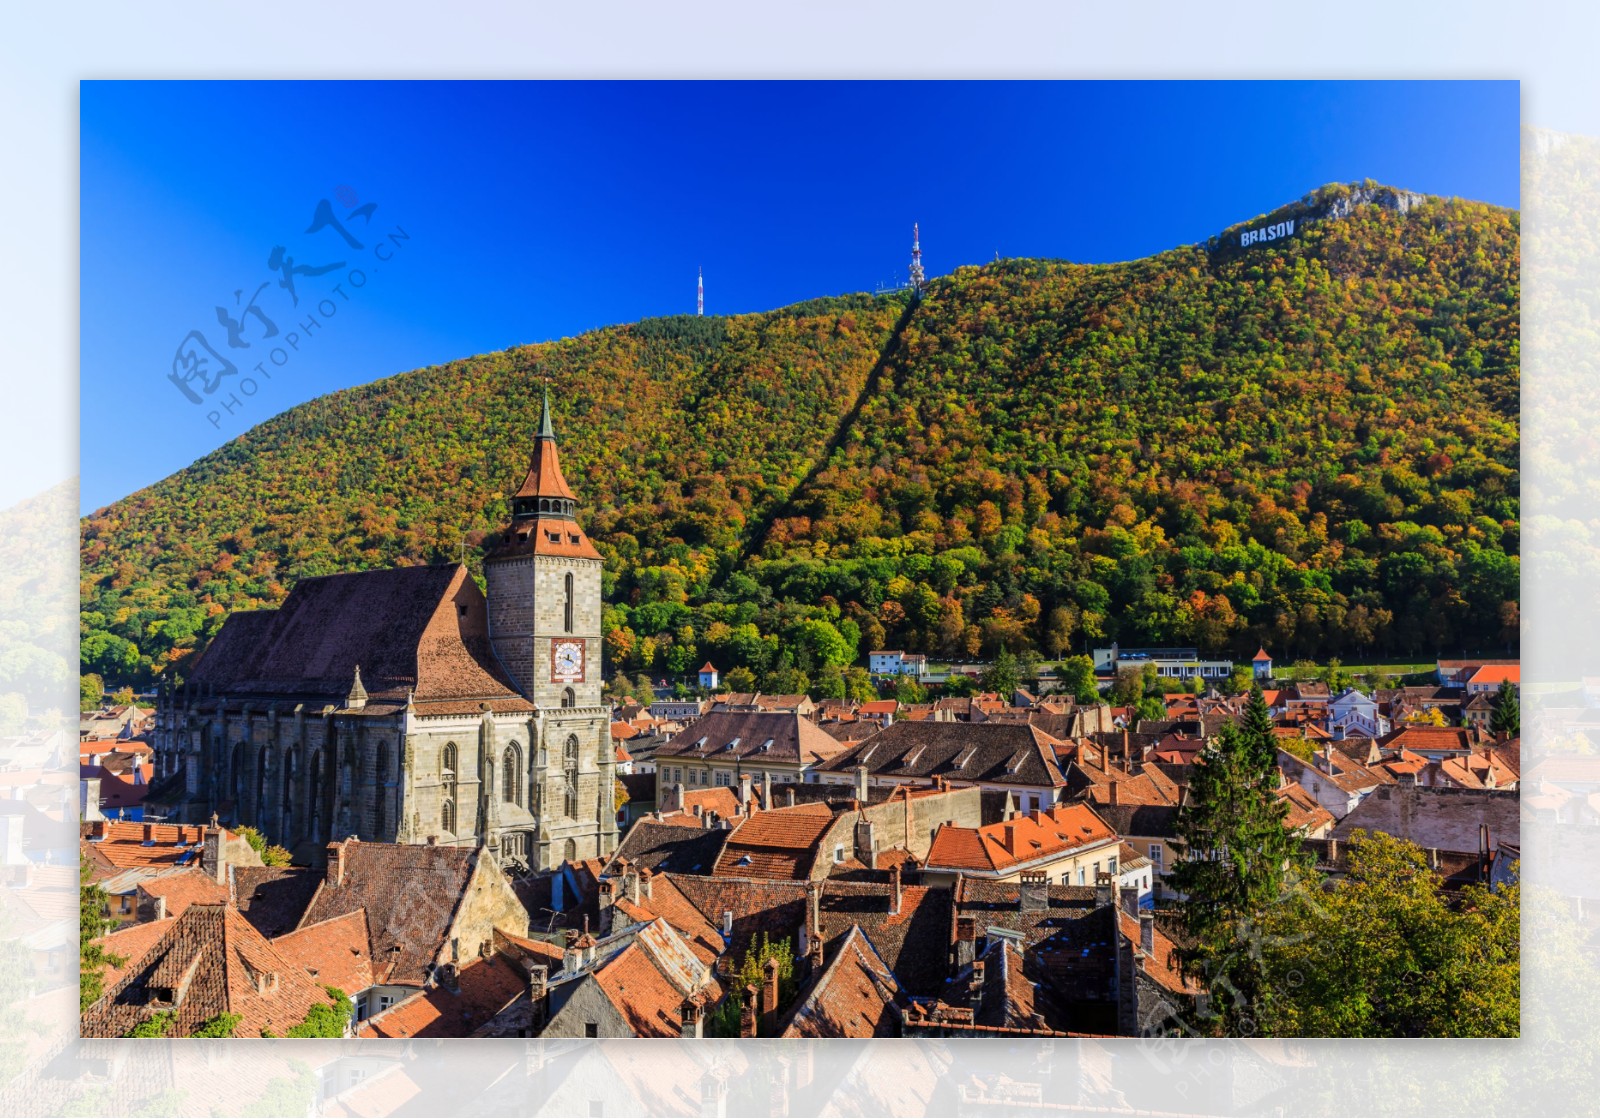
(700, 296)
(916, 260)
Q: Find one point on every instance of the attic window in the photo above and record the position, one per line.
(554, 537)
(522, 536)
(572, 538)
(463, 608)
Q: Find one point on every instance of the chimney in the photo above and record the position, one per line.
(571, 954)
(1147, 933)
(1113, 791)
(539, 995)
(644, 879)
(790, 792)
(861, 783)
(1102, 889)
(866, 843)
(894, 893)
(161, 908)
(769, 998)
(677, 796)
(149, 833)
(689, 1011)
(746, 787)
(814, 920)
(630, 884)
(335, 872)
(727, 923)
(1333, 851)
(212, 859)
(1130, 900)
(966, 940)
(747, 1012)
(607, 890)
(766, 790)
(1033, 891)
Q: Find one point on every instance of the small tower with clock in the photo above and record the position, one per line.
(543, 578)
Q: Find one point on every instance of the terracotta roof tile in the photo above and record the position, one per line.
(335, 952)
(183, 888)
(485, 987)
(781, 843)
(410, 893)
(274, 898)
(208, 962)
(853, 996)
(1022, 839)
(417, 629)
(131, 942)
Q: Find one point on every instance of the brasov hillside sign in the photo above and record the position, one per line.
(1266, 233)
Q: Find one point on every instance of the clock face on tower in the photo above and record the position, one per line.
(566, 660)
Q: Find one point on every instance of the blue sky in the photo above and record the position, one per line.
(494, 214)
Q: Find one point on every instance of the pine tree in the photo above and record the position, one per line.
(1506, 719)
(1239, 862)
(1257, 728)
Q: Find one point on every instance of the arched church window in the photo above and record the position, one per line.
(380, 791)
(569, 698)
(511, 779)
(570, 772)
(447, 816)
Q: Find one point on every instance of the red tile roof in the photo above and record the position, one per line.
(183, 888)
(1497, 674)
(335, 952)
(485, 987)
(853, 997)
(421, 630)
(781, 843)
(131, 942)
(1020, 840)
(213, 962)
(1163, 965)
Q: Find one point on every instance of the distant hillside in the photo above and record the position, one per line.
(1309, 441)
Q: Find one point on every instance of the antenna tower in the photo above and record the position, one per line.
(916, 260)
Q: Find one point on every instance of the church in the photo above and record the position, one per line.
(407, 706)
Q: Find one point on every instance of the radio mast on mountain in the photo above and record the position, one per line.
(700, 297)
(916, 260)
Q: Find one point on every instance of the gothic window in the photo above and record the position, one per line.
(569, 602)
(381, 793)
(569, 765)
(511, 779)
(569, 698)
(572, 850)
(447, 781)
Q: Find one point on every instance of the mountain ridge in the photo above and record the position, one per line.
(736, 469)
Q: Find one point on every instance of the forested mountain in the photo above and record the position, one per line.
(1310, 442)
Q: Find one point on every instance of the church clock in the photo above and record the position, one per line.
(566, 660)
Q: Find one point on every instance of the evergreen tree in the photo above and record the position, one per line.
(1003, 676)
(1256, 727)
(1506, 720)
(94, 921)
(1239, 862)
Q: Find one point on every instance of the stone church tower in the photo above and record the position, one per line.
(544, 624)
(403, 705)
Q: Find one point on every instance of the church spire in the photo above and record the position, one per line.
(544, 492)
(546, 430)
